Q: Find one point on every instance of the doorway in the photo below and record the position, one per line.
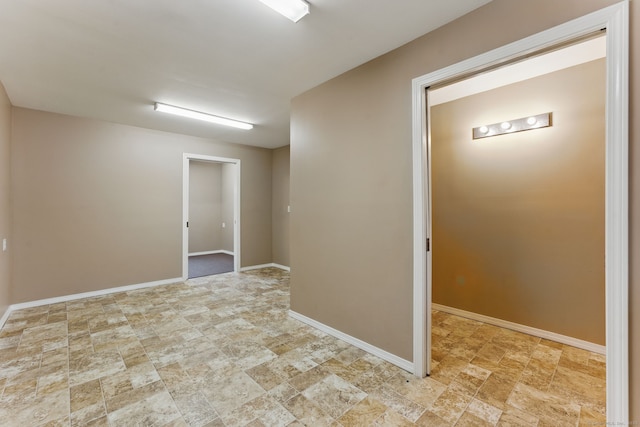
(518, 213)
(211, 208)
(615, 20)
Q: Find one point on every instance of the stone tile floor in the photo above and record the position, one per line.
(222, 351)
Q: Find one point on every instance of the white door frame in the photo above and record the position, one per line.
(186, 158)
(615, 19)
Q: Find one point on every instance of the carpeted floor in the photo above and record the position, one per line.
(207, 265)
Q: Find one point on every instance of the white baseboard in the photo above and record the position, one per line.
(5, 316)
(55, 300)
(221, 251)
(270, 265)
(574, 342)
(382, 354)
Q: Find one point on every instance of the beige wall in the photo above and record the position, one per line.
(351, 236)
(228, 186)
(5, 200)
(280, 173)
(205, 206)
(518, 219)
(98, 205)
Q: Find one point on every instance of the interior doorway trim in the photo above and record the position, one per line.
(615, 19)
(186, 158)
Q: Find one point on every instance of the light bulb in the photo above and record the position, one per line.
(505, 125)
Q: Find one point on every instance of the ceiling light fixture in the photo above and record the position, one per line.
(295, 10)
(183, 112)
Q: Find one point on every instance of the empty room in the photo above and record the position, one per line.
(356, 235)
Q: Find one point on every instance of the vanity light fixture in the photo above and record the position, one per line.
(178, 111)
(295, 10)
(518, 125)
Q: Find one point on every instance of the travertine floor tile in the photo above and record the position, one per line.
(450, 406)
(334, 395)
(391, 418)
(306, 412)
(547, 407)
(484, 411)
(398, 403)
(515, 417)
(155, 409)
(364, 413)
(222, 351)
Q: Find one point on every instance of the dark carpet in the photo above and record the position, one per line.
(206, 265)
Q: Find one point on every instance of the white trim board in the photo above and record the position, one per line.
(529, 330)
(5, 317)
(72, 297)
(382, 354)
(270, 265)
(222, 251)
(615, 19)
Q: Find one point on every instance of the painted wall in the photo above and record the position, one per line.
(228, 186)
(351, 237)
(99, 205)
(518, 219)
(5, 200)
(205, 206)
(280, 214)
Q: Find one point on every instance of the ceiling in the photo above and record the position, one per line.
(112, 59)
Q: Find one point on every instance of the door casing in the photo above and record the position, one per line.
(615, 19)
(186, 158)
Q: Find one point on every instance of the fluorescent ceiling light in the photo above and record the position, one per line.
(201, 116)
(292, 9)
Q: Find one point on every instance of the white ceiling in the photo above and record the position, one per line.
(112, 59)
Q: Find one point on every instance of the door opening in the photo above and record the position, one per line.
(216, 217)
(517, 214)
(615, 20)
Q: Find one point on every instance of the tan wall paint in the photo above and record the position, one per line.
(351, 176)
(205, 206)
(280, 173)
(228, 186)
(5, 200)
(99, 205)
(518, 219)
